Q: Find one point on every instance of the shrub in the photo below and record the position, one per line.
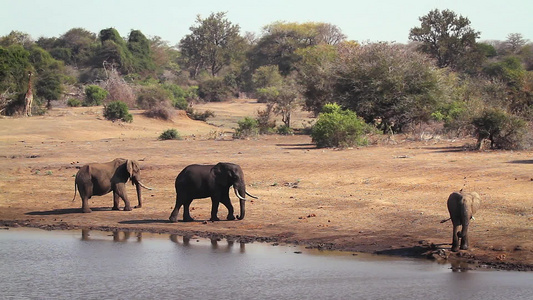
(94, 95)
(162, 112)
(503, 130)
(199, 116)
(73, 102)
(214, 90)
(339, 128)
(284, 130)
(170, 134)
(117, 110)
(247, 127)
(152, 96)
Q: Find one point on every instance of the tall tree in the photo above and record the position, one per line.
(445, 37)
(212, 44)
(139, 47)
(281, 40)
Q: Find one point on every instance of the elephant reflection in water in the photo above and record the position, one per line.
(118, 236)
(186, 242)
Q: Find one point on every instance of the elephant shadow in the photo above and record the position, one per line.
(414, 251)
(64, 211)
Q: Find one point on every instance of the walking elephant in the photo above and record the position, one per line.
(202, 181)
(97, 179)
(462, 207)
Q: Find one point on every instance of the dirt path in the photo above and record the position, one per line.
(387, 199)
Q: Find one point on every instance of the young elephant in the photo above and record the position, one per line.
(98, 179)
(462, 207)
(202, 181)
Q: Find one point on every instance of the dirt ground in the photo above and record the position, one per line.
(387, 198)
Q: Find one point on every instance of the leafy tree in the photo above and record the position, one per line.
(139, 47)
(16, 38)
(281, 40)
(94, 95)
(316, 74)
(388, 82)
(49, 87)
(514, 42)
(14, 67)
(114, 50)
(214, 90)
(266, 76)
(338, 128)
(212, 44)
(445, 36)
(504, 131)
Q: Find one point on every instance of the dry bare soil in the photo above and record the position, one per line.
(386, 198)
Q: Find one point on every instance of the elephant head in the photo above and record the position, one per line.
(134, 172)
(228, 175)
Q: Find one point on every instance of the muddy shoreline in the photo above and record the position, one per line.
(459, 261)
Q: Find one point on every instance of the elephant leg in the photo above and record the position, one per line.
(120, 190)
(174, 215)
(116, 200)
(85, 204)
(464, 237)
(85, 193)
(186, 211)
(214, 208)
(226, 201)
(455, 239)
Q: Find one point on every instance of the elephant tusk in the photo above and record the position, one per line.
(238, 195)
(252, 196)
(144, 186)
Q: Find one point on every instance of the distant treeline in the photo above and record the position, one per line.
(444, 75)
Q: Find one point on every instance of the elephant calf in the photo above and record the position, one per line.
(462, 207)
(98, 179)
(202, 181)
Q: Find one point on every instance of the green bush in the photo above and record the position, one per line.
(284, 130)
(170, 134)
(247, 127)
(339, 128)
(117, 110)
(503, 130)
(152, 96)
(73, 102)
(94, 95)
(214, 90)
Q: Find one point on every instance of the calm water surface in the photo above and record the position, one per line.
(38, 264)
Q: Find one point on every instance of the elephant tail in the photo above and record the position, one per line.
(445, 220)
(75, 188)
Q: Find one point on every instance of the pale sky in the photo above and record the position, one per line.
(371, 20)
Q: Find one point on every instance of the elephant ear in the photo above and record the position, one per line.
(221, 174)
(132, 167)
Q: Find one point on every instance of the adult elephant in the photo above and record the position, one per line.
(97, 179)
(202, 181)
(462, 206)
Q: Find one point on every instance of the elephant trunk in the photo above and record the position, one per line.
(242, 201)
(138, 186)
